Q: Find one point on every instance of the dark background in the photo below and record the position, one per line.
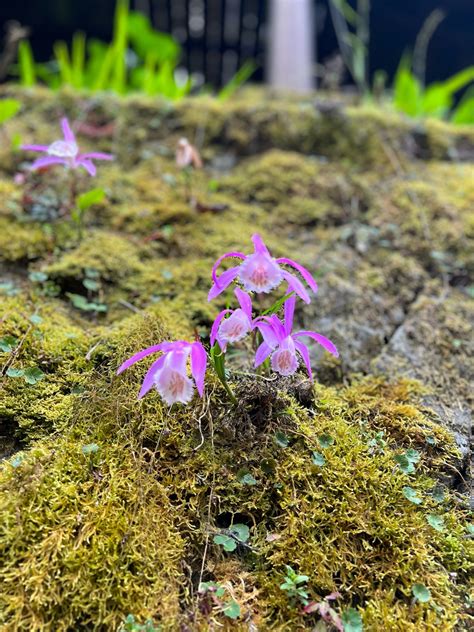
(217, 35)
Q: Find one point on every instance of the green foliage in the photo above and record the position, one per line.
(229, 608)
(437, 522)
(295, 585)
(421, 593)
(407, 460)
(231, 537)
(318, 459)
(95, 66)
(241, 76)
(352, 621)
(411, 495)
(8, 109)
(437, 99)
(131, 625)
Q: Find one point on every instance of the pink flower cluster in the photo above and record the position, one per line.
(258, 272)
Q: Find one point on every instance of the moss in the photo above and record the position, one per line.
(53, 344)
(111, 508)
(129, 528)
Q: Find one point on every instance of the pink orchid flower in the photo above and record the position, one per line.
(284, 346)
(260, 272)
(66, 152)
(237, 326)
(168, 374)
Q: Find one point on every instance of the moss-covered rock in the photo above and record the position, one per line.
(112, 505)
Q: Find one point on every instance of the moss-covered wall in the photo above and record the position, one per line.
(110, 504)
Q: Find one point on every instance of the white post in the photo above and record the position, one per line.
(291, 45)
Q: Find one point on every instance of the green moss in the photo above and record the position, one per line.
(131, 518)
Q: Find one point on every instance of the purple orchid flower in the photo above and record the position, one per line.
(66, 152)
(237, 326)
(260, 272)
(282, 345)
(168, 374)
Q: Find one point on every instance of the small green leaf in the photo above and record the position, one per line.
(411, 495)
(90, 448)
(318, 459)
(352, 620)
(412, 455)
(438, 494)
(405, 465)
(35, 319)
(8, 109)
(435, 521)
(241, 531)
(325, 441)
(470, 528)
(91, 284)
(16, 461)
(421, 592)
(231, 609)
(85, 200)
(226, 541)
(245, 478)
(7, 343)
(431, 440)
(33, 375)
(281, 439)
(38, 277)
(11, 372)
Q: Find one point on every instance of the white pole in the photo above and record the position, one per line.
(291, 45)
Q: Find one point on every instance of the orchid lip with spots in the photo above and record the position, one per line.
(66, 152)
(260, 272)
(237, 325)
(168, 374)
(283, 346)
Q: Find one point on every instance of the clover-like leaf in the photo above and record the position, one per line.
(241, 531)
(318, 459)
(245, 478)
(281, 439)
(421, 592)
(411, 495)
(32, 375)
(325, 441)
(11, 372)
(435, 521)
(412, 455)
(225, 541)
(352, 621)
(7, 343)
(231, 609)
(404, 464)
(90, 448)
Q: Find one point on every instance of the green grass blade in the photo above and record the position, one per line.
(119, 44)
(78, 56)
(27, 64)
(241, 76)
(61, 53)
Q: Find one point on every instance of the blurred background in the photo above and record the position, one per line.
(218, 36)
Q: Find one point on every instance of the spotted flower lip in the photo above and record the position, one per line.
(260, 272)
(237, 326)
(284, 346)
(168, 374)
(66, 152)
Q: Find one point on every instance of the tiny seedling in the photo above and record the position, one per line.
(295, 585)
(82, 203)
(325, 441)
(318, 459)
(352, 621)
(212, 594)
(31, 375)
(131, 625)
(411, 495)
(436, 522)
(407, 460)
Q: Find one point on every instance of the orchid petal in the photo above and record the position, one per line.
(289, 313)
(322, 340)
(149, 379)
(259, 245)
(198, 365)
(245, 302)
(177, 359)
(302, 270)
(88, 165)
(138, 356)
(262, 354)
(223, 282)
(47, 161)
(278, 327)
(227, 255)
(96, 155)
(268, 334)
(216, 323)
(34, 147)
(296, 286)
(303, 349)
(67, 131)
